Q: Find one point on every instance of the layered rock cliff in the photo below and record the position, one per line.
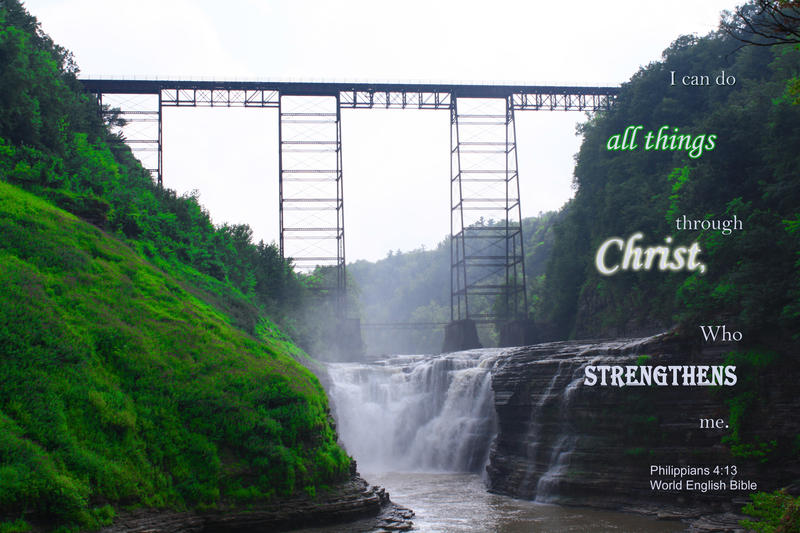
(562, 441)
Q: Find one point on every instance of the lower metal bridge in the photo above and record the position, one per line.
(486, 247)
(403, 325)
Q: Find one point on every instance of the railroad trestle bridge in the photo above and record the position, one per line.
(486, 259)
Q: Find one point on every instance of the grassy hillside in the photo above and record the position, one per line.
(121, 386)
(58, 144)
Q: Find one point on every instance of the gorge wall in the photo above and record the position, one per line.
(561, 441)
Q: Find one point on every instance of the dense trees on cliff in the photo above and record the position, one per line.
(53, 142)
(752, 280)
(124, 386)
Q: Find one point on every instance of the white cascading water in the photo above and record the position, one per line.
(417, 413)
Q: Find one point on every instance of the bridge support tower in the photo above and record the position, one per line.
(311, 192)
(487, 269)
(311, 210)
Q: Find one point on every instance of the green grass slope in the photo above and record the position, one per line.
(120, 387)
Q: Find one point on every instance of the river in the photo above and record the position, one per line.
(459, 503)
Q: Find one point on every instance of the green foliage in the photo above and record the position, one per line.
(17, 526)
(404, 287)
(637, 452)
(54, 144)
(777, 512)
(121, 386)
(138, 364)
(678, 177)
(745, 402)
(753, 276)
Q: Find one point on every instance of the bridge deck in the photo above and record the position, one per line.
(464, 90)
(194, 93)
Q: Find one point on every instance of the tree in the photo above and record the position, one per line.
(765, 22)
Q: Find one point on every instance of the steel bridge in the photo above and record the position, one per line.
(486, 248)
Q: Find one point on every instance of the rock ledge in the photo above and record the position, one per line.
(347, 502)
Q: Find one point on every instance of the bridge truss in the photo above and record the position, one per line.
(487, 256)
(486, 252)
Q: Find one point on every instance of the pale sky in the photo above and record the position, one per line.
(396, 166)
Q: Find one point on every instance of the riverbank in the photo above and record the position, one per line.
(353, 500)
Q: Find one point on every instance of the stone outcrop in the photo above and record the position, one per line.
(350, 501)
(564, 442)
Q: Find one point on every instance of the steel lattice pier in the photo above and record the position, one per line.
(487, 271)
(311, 194)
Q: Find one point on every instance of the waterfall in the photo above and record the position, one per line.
(417, 413)
(520, 415)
